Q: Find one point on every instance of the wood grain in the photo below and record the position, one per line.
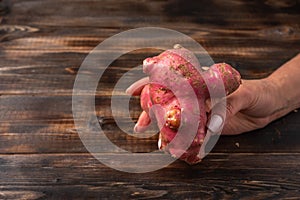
(29, 127)
(78, 176)
(42, 46)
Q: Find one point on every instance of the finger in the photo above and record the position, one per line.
(137, 87)
(236, 125)
(227, 108)
(142, 123)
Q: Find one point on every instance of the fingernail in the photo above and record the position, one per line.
(136, 128)
(215, 123)
(139, 129)
(159, 143)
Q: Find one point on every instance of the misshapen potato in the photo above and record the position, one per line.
(169, 72)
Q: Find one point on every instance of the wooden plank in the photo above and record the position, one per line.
(222, 176)
(66, 140)
(58, 80)
(233, 14)
(28, 126)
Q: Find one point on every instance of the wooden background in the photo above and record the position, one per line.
(42, 45)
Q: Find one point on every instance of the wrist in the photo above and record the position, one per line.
(278, 95)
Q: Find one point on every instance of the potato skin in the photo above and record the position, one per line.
(169, 73)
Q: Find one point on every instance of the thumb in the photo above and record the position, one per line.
(226, 109)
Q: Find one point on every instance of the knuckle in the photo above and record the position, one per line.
(230, 108)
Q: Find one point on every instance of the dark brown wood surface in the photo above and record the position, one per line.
(42, 45)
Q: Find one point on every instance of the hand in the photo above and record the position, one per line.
(253, 105)
(256, 103)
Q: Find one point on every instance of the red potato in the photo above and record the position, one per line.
(176, 71)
